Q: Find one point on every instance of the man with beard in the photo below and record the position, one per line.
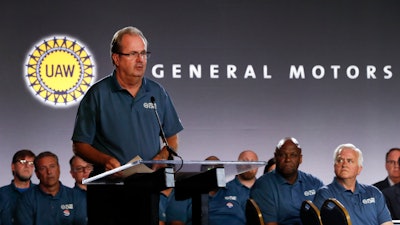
(281, 192)
(22, 170)
(365, 203)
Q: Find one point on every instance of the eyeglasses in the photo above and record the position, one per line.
(392, 162)
(134, 55)
(82, 169)
(25, 162)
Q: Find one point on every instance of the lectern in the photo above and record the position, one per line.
(135, 199)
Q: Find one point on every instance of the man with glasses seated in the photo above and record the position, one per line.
(22, 169)
(365, 203)
(392, 168)
(79, 170)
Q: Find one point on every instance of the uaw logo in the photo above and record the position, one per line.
(59, 71)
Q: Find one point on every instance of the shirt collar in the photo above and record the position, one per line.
(358, 189)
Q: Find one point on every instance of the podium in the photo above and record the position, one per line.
(135, 198)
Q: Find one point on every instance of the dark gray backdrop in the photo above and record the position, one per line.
(224, 116)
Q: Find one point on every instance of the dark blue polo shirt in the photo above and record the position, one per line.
(366, 205)
(123, 126)
(35, 207)
(280, 201)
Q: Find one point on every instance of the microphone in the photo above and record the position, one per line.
(169, 149)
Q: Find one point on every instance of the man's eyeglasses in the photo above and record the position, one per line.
(392, 162)
(81, 169)
(25, 162)
(134, 55)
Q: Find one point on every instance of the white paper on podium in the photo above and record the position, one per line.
(139, 168)
(135, 165)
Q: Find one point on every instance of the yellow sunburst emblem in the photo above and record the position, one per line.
(59, 71)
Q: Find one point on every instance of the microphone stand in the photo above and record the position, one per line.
(171, 151)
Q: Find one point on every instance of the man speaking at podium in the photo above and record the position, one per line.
(124, 114)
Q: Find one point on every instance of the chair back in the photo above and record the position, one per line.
(334, 213)
(253, 213)
(309, 213)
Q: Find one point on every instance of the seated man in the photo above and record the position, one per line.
(281, 192)
(50, 202)
(22, 170)
(392, 168)
(365, 203)
(172, 211)
(392, 196)
(224, 205)
(242, 183)
(79, 170)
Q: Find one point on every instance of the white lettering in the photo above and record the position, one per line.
(335, 69)
(194, 71)
(388, 72)
(296, 74)
(149, 105)
(368, 201)
(310, 192)
(354, 74)
(67, 206)
(176, 71)
(214, 70)
(249, 72)
(230, 198)
(160, 68)
(316, 74)
(299, 72)
(371, 72)
(266, 75)
(231, 71)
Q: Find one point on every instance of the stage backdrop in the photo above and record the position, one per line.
(242, 74)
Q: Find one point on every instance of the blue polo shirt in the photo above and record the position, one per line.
(9, 195)
(242, 192)
(280, 201)
(225, 208)
(123, 126)
(35, 207)
(5, 217)
(174, 210)
(366, 205)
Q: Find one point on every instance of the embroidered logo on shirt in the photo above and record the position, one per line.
(228, 198)
(368, 201)
(149, 105)
(66, 208)
(309, 192)
(66, 212)
(229, 204)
